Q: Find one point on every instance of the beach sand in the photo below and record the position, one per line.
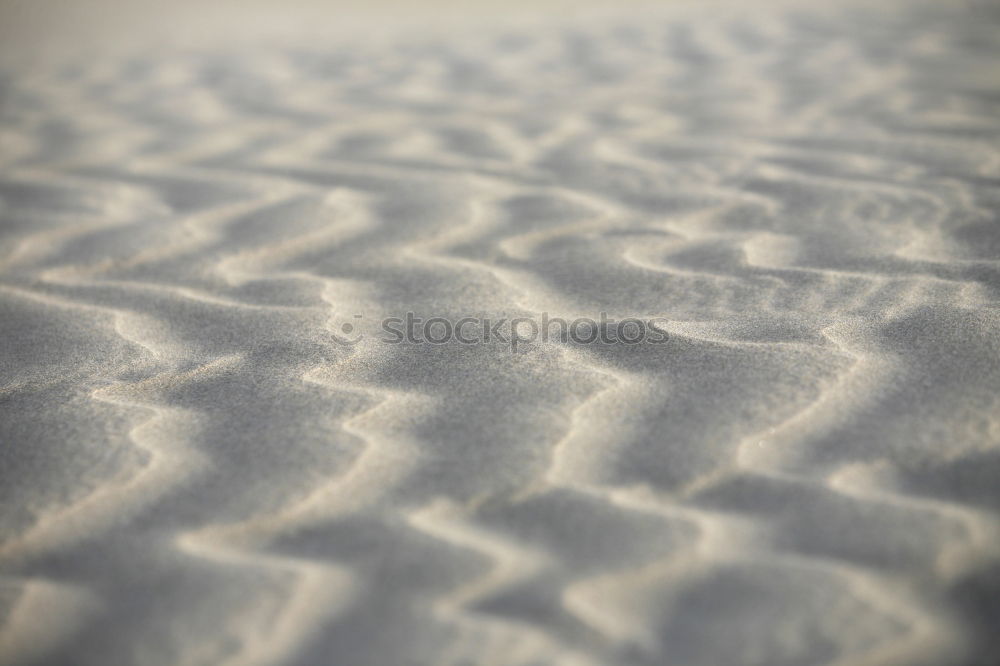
(197, 468)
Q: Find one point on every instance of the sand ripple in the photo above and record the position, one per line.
(194, 471)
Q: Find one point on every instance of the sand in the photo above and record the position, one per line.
(197, 469)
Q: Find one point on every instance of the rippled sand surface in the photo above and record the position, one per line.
(194, 471)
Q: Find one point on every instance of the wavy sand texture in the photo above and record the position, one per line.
(193, 471)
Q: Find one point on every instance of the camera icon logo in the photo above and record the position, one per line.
(347, 332)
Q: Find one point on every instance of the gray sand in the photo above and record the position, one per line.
(196, 469)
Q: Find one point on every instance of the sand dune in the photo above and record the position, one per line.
(197, 469)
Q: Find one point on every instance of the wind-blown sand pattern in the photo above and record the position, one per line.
(196, 472)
